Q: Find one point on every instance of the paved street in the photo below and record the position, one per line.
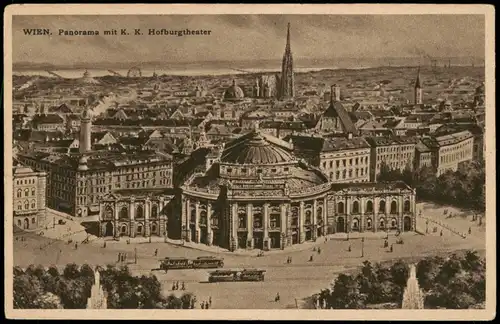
(298, 280)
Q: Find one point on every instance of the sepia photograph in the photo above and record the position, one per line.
(249, 161)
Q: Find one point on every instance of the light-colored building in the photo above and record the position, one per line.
(397, 152)
(29, 198)
(260, 195)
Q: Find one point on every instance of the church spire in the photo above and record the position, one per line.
(287, 48)
(417, 82)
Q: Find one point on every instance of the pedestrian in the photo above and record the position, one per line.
(277, 297)
(76, 246)
(470, 230)
(441, 233)
(183, 287)
(104, 244)
(173, 286)
(202, 305)
(210, 301)
(176, 285)
(349, 248)
(207, 305)
(314, 249)
(310, 258)
(319, 250)
(192, 304)
(156, 252)
(391, 248)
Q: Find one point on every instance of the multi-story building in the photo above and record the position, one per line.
(341, 159)
(336, 119)
(396, 152)
(77, 182)
(449, 151)
(29, 197)
(260, 195)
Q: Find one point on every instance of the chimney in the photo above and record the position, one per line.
(335, 93)
(349, 135)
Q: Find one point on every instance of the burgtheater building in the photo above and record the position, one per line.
(259, 195)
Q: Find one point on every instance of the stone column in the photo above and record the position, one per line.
(163, 216)
(267, 241)
(362, 219)
(131, 211)
(348, 213)
(400, 213)
(187, 221)
(147, 225)
(283, 226)
(250, 226)
(116, 231)
(233, 227)
(210, 234)
(387, 208)
(325, 216)
(197, 223)
(375, 213)
(314, 220)
(302, 233)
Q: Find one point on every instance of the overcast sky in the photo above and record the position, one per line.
(249, 37)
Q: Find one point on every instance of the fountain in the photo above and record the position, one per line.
(97, 299)
(413, 297)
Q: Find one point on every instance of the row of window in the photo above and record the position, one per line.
(395, 148)
(347, 175)
(356, 162)
(355, 209)
(258, 171)
(26, 205)
(25, 181)
(124, 212)
(455, 156)
(26, 192)
(456, 147)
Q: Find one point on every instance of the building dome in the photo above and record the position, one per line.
(257, 148)
(234, 92)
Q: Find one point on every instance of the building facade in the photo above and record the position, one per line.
(260, 195)
(29, 198)
(287, 86)
(134, 213)
(396, 152)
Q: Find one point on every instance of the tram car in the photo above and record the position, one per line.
(236, 275)
(208, 262)
(175, 263)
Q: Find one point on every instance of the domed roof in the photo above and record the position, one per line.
(257, 148)
(83, 160)
(234, 92)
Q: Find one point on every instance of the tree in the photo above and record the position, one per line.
(26, 289)
(48, 301)
(71, 271)
(346, 294)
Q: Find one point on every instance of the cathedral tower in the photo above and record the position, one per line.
(287, 88)
(85, 132)
(418, 90)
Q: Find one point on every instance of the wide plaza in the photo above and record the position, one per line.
(293, 282)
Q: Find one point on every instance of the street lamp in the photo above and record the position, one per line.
(362, 247)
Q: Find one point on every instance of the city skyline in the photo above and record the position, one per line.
(246, 38)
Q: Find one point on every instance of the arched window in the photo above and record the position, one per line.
(19, 193)
(394, 207)
(193, 215)
(124, 213)
(340, 208)
(33, 220)
(308, 217)
(407, 206)
(295, 216)
(19, 223)
(319, 215)
(26, 192)
(26, 205)
(381, 208)
(139, 211)
(19, 206)
(355, 224)
(203, 217)
(369, 223)
(33, 191)
(33, 204)
(257, 220)
(242, 219)
(154, 211)
(382, 223)
(275, 220)
(369, 207)
(394, 223)
(355, 207)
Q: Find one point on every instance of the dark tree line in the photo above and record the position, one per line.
(464, 188)
(40, 288)
(457, 282)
